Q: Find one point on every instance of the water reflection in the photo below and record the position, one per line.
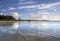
(26, 30)
(51, 28)
(14, 25)
(9, 27)
(39, 24)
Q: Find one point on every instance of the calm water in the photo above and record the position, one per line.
(30, 31)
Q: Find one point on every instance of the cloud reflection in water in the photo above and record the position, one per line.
(51, 28)
(15, 25)
(9, 27)
(31, 28)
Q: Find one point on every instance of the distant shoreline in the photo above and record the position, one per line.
(23, 20)
(29, 20)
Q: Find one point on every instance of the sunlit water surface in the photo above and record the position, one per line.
(30, 31)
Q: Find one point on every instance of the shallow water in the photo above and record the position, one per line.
(30, 31)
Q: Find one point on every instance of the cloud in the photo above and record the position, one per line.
(22, 3)
(44, 6)
(43, 16)
(15, 15)
(12, 8)
(40, 6)
(39, 16)
(27, 7)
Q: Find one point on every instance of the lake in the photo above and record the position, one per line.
(30, 31)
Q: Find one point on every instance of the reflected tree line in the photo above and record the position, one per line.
(6, 23)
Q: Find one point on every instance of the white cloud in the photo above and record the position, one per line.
(39, 16)
(40, 6)
(44, 6)
(12, 8)
(44, 16)
(27, 7)
(15, 15)
(21, 3)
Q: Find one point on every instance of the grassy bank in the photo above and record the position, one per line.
(20, 20)
(28, 20)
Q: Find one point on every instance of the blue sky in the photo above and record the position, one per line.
(26, 7)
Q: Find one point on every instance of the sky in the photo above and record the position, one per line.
(26, 7)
